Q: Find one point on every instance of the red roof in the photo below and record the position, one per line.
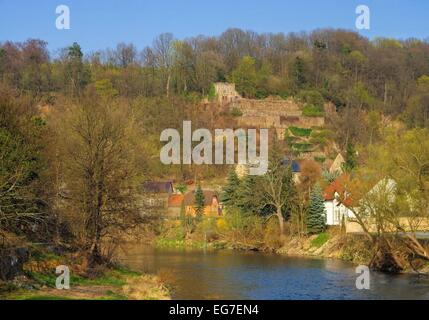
(339, 186)
(175, 200)
(208, 198)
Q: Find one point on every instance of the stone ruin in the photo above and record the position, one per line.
(226, 93)
(269, 113)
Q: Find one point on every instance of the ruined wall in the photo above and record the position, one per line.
(226, 93)
(277, 113)
(271, 112)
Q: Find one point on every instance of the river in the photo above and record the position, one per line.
(256, 276)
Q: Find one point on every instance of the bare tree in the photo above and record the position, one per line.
(100, 169)
(277, 186)
(163, 50)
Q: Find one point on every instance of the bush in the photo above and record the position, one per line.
(312, 97)
(320, 159)
(212, 93)
(244, 228)
(311, 110)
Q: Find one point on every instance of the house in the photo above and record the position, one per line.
(337, 202)
(156, 194)
(212, 207)
(175, 202)
(295, 166)
(337, 165)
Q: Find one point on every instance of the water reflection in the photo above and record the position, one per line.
(232, 275)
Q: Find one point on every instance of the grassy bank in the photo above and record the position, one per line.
(252, 233)
(107, 283)
(331, 244)
(256, 235)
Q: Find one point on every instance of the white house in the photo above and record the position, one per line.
(337, 202)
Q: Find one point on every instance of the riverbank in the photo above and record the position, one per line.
(332, 244)
(249, 275)
(38, 282)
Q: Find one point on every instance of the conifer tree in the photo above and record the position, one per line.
(199, 202)
(316, 217)
(229, 196)
(351, 161)
(248, 199)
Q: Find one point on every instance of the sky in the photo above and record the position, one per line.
(101, 24)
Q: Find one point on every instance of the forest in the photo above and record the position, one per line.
(79, 131)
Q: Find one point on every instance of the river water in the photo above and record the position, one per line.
(235, 275)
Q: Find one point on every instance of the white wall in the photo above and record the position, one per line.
(335, 213)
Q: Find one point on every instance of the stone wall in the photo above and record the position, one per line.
(277, 113)
(226, 93)
(271, 112)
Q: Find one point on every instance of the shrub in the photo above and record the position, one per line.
(312, 97)
(212, 93)
(320, 159)
(310, 110)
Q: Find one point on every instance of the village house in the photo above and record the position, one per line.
(157, 193)
(175, 203)
(337, 165)
(212, 207)
(337, 202)
(295, 167)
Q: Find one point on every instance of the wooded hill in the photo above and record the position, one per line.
(80, 133)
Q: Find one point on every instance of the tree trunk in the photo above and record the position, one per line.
(281, 221)
(168, 84)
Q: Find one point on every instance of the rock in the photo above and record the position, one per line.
(11, 262)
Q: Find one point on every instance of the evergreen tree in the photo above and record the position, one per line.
(229, 196)
(316, 217)
(247, 198)
(199, 202)
(351, 161)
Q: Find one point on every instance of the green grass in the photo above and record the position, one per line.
(320, 240)
(113, 277)
(41, 297)
(110, 295)
(300, 132)
(39, 254)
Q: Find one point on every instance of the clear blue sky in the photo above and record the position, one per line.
(99, 24)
